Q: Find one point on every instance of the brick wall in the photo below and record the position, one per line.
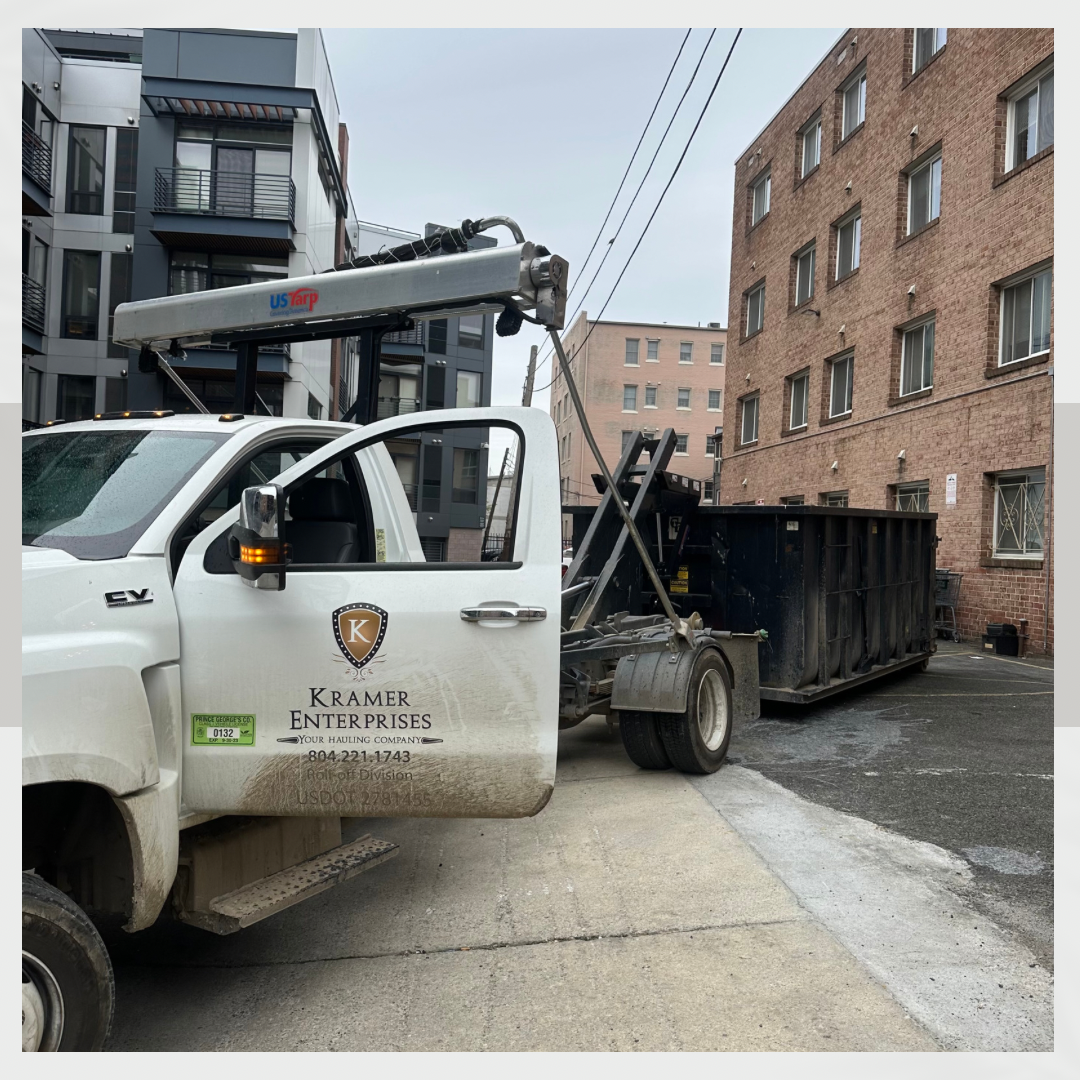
(977, 418)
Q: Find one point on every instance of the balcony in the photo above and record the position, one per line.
(219, 211)
(37, 172)
(393, 406)
(415, 336)
(33, 304)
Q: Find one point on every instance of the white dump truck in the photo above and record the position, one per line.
(232, 639)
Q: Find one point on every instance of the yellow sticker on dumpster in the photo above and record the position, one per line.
(222, 729)
(681, 582)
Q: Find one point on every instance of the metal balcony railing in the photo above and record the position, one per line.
(394, 406)
(415, 336)
(36, 157)
(218, 193)
(33, 304)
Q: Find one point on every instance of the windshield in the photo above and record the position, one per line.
(93, 493)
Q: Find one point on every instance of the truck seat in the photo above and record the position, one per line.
(323, 527)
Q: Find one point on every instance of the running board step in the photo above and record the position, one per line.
(234, 910)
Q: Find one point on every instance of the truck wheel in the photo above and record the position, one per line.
(67, 978)
(697, 740)
(641, 740)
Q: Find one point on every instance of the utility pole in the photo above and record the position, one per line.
(530, 378)
(494, 503)
(526, 400)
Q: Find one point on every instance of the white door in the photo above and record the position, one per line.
(361, 689)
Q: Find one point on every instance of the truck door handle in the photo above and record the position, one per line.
(511, 614)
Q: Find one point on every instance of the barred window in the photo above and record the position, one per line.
(1019, 514)
(913, 497)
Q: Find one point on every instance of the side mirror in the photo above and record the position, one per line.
(256, 541)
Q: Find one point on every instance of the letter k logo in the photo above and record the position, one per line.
(359, 630)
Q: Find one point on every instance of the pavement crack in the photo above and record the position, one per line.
(492, 946)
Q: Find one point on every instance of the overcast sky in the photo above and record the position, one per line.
(540, 126)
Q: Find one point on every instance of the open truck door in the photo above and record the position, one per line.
(363, 679)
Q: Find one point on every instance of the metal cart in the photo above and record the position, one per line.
(946, 598)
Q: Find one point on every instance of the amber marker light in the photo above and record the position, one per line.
(258, 556)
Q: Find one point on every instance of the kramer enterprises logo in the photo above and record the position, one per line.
(359, 630)
(287, 303)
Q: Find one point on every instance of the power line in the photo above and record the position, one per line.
(667, 186)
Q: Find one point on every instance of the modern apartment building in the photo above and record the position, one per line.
(891, 297)
(639, 377)
(159, 162)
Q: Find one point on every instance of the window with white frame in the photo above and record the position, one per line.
(652, 349)
(1031, 120)
(626, 437)
(841, 380)
(924, 194)
(632, 352)
(848, 243)
(854, 105)
(716, 352)
(1019, 514)
(811, 145)
(800, 398)
(914, 497)
(650, 397)
(1025, 318)
(755, 309)
(762, 188)
(917, 359)
(686, 352)
(708, 495)
(716, 400)
(834, 498)
(749, 419)
(927, 44)
(710, 446)
(793, 500)
(681, 442)
(683, 398)
(629, 398)
(804, 275)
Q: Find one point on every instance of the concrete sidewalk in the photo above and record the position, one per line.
(629, 915)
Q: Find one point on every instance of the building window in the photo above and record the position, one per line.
(468, 390)
(127, 154)
(627, 436)
(631, 352)
(913, 497)
(1018, 514)
(471, 332)
(755, 309)
(683, 398)
(834, 498)
(749, 419)
(1025, 318)
(804, 275)
(716, 400)
(629, 398)
(75, 397)
(800, 397)
(708, 495)
(314, 407)
(86, 170)
(854, 104)
(191, 271)
(1031, 120)
(761, 192)
(681, 442)
(811, 145)
(848, 243)
(120, 265)
(79, 311)
(466, 479)
(652, 349)
(710, 446)
(792, 500)
(31, 394)
(686, 352)
(437, 336)
(917, 362)
(924, 195)
(927, 44)
(840, 385)
(650, 397)
(716, 352)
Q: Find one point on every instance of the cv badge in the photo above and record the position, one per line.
(359, 630)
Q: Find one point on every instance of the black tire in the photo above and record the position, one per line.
(688, 746)
(65, 960)
(641, 740)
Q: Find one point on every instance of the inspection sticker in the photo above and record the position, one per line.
(222, 729)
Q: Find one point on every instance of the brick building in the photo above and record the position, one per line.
(891, 302)
(639, 377)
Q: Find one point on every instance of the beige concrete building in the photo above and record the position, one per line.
(639, 377)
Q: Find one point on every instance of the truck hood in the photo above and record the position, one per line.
(34, 558)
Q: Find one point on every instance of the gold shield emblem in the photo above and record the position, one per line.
(359, 630)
